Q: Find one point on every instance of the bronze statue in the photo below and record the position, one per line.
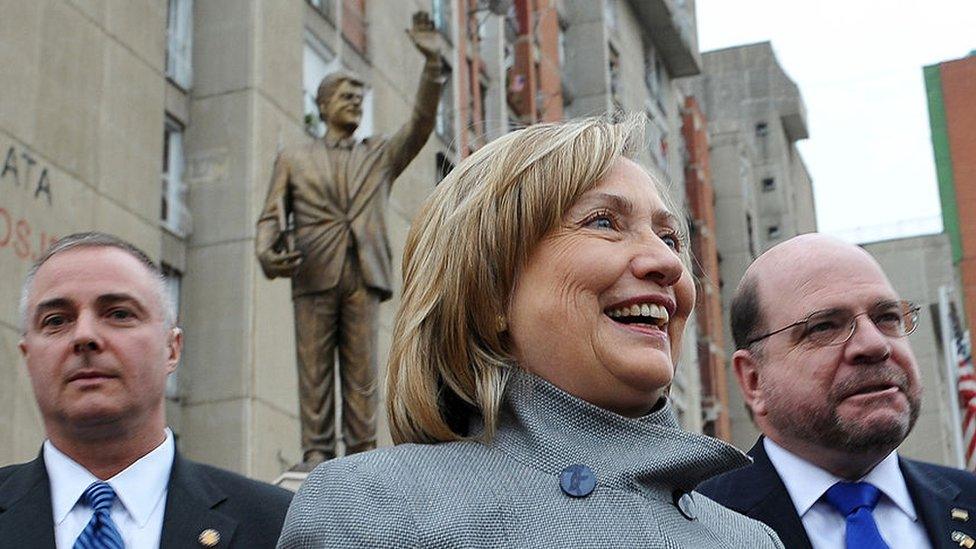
(323, 225)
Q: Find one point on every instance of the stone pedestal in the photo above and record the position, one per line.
(290, 480)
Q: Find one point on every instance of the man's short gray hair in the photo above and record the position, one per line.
(99, 240)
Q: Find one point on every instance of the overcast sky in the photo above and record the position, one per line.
(858, 64)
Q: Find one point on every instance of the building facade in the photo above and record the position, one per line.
(710, 338)
(951, 90)
(159, 120)
(762, 190)
(917, 268)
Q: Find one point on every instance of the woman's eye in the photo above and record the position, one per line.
(672, 241)
(603, 222)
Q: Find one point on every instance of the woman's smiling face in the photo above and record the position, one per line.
(600, 306)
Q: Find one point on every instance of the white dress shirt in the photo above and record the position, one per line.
(138, 508)
(806, 483)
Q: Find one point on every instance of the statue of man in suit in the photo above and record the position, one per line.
(323, 226)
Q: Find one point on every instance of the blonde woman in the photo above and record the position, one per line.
(545, 295)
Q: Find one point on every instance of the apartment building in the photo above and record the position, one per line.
(159, 120)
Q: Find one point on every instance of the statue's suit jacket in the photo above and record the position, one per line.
(245, 513)
(757, 491)
(336, 206)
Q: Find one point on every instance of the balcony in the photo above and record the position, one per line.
(672, 30)
(793, 113)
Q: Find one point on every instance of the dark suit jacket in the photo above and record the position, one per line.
(757, 491)
(245, 513)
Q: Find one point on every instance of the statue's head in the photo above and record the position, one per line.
(340, 100)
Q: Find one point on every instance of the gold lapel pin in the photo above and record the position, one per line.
(961, 515)
(963, 540)
(209, 538)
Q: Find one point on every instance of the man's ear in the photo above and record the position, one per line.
(174, 348)
(747, 373)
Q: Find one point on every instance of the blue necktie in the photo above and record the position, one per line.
(101, 532)
(856, 500)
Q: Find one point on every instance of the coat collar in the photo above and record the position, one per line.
(192, 505)
(764, 497)
(761, 494)
(935, 498)
(549, 429)
(333, 142)
(26, 519)
(191, 508)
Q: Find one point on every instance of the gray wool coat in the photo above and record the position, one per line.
(508, 493)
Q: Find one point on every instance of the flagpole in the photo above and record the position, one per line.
(952, 373)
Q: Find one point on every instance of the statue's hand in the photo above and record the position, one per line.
(424, 36)
(283, 264)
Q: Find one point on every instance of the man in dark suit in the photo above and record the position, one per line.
(99, 339)
(825, 367)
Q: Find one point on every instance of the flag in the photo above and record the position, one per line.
(966, 385)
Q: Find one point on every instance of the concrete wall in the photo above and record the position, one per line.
(81, 129)
(82, 134)
(917, 267)
(741, 89)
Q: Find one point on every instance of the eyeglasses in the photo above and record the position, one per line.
(836, 326)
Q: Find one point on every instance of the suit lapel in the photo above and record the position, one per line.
(769, 502)
(933, 498)
(26, 518)
(191, 503)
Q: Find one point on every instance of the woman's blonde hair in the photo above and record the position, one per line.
(449, 358)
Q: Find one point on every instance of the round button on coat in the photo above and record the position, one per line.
(685, 504)
(577, 481)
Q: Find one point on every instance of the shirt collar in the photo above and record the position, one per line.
(334, 142)
(888, 478)
(806, 483)
(140, 487)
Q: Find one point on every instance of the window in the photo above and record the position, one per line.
(749, 236)
(179, 43)
(656, 133)
(615, 88)
(762, 132)
(442, 14)
(173, 212)
(653, 73)
(561, 41)
(444, 166)
(773, 231)
(325, 7)
(610, 14)
(444, 123)
(482, 111)
(768, 184)
(318, 61)
(477, 123)
(354, 24)
(174, 282)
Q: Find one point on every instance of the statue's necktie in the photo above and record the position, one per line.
(856, 500)
(101, 532)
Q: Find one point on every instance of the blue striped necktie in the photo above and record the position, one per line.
(101, 532)
(855, 501)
